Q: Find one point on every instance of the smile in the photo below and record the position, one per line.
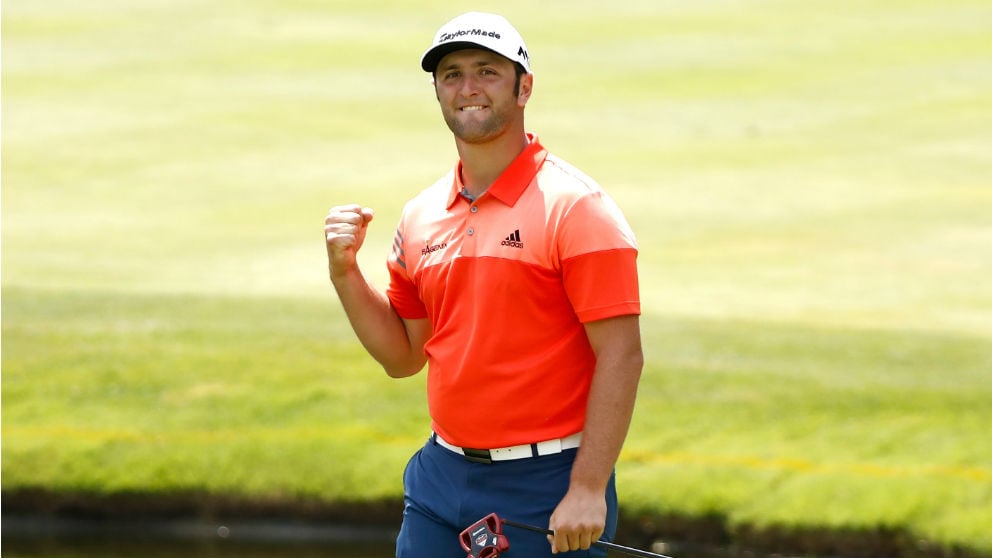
(472, 108)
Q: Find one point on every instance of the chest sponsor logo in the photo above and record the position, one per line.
(431, 248)
(513, 241)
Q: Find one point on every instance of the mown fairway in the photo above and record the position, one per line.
(809, 182)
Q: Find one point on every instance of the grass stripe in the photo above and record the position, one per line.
(804, 466)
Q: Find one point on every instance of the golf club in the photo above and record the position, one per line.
(485, 539)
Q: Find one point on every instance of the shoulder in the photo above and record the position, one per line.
(440, 189)
(566, 188)
(574, 198)
(558, 176)
(430, 199)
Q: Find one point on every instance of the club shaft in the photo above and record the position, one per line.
(602, 544)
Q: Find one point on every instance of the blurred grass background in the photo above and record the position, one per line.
(809, 183)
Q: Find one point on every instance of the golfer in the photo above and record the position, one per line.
(514, 279)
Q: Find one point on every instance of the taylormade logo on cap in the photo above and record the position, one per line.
(462, 32)
(477, 30)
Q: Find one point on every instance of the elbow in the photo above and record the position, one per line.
(638, 358)
(629, 356)
(399, 372)
(403, 369)
(637, 362)
(631, 361)
(634, 364)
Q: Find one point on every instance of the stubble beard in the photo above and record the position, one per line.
(477, 131)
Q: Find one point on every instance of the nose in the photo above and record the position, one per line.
(469, 86)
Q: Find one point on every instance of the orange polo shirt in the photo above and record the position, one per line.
(508, 281)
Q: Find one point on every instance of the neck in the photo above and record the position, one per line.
(483, 163)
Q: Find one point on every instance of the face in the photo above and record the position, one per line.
(475, 89)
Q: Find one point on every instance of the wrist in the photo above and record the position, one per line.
(342, 274)
(587, 484)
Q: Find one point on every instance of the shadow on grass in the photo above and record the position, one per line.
(709, 535)
(686, 536)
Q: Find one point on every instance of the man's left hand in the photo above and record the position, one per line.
(578, 521)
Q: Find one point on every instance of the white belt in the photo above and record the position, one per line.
(523, 451)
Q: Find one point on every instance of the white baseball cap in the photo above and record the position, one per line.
(477, 30)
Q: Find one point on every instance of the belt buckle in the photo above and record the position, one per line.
(478, 456)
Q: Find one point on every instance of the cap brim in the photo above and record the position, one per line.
(433, 56)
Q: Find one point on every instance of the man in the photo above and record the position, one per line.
(514, 278)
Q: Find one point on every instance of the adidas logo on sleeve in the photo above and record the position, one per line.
(513, 240)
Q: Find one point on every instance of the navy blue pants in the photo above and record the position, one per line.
(444, 494)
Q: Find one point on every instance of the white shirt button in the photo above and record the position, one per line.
(475, 209)
(471, 231)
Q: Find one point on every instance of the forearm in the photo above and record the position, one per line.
(580, 517)
(379, 328)
(609, 411)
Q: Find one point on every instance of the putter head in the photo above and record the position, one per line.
(484, 538)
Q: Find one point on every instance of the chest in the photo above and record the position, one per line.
(522, 233)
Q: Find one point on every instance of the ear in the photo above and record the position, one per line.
(526, 88)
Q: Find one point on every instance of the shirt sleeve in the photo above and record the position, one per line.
(598, 254)
(402, 292)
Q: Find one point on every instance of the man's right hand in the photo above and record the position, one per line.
(344, 231)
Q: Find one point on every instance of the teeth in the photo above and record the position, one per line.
(472, 108)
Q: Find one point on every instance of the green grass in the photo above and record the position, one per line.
(809, 183)
(160, 393)
(798, 425)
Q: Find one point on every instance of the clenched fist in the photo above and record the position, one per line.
(344, 231)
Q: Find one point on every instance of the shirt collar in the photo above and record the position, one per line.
(510, 185)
